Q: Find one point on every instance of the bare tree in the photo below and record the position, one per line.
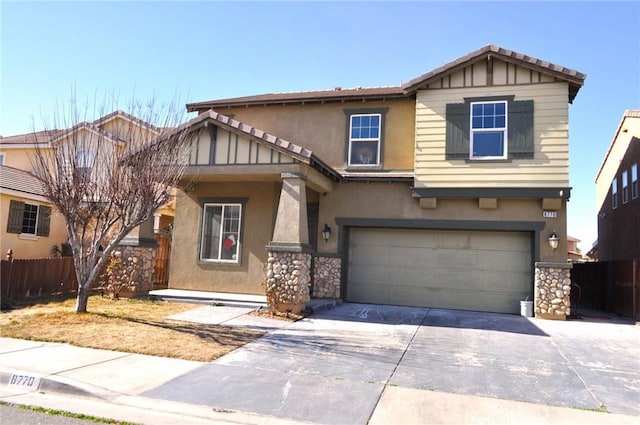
(106, 181)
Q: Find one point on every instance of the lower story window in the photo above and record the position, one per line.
(30, 219)
(220, 239)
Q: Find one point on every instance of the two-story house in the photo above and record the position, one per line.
(441, 192)
(21, 216)
(617, 194)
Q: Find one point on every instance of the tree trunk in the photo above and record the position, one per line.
(83, 297)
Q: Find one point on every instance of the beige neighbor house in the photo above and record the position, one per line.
(442, 192)
(111, 132)
(30, 225)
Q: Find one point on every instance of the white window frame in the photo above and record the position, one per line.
(2, 158)
(505, 153)
(625, 187)
(34, 234)
(634, 181)
(220, 260)
(378, 140)
(614, 193)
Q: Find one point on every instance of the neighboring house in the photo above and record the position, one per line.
(30, 224)
(617, 194)
(90, 141)
(574, 253)
(441, 192)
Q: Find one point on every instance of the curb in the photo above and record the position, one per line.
(60, 385)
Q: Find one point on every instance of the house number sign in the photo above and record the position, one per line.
(29, 382)
(549, 214)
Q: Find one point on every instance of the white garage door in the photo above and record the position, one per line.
(466, 270)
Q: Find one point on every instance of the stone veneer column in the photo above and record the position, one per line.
(140, 264)
(288, 271)
(326, 277)
(552, 292)
(140, 245)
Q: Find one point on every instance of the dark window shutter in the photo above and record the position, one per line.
(44, 220)
(520, 130)
(457, 142)
(16, 215)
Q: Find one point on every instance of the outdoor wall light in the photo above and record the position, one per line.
(553, 240)
(326, 232)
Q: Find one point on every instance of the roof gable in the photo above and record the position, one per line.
(573, 77)
(276, 143)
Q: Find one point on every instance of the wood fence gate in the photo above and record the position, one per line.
(161, 266)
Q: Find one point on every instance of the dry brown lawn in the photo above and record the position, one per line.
(129, 325)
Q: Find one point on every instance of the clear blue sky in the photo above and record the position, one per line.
(210, 50)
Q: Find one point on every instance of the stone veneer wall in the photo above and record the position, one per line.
(326, 277)
(552, 290)
(140, 263)
(288, 277)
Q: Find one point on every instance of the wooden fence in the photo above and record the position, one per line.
(612, 286)
(21, 279)
(161, 266)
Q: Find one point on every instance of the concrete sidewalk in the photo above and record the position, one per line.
(121, 386)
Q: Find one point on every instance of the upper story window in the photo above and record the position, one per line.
(28, 219)
(84, 163)
(625, 187)
(1, 158)
(488, 130)
(220, 234)
(364, 139)
(634, 181)
(614, 193)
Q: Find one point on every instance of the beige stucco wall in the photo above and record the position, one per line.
(323, 128)
(40, 247)
(394, 201)
(186, 272)
(19, 158)
(630, 128)
(548, 168)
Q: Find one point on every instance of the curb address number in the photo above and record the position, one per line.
(24, 381)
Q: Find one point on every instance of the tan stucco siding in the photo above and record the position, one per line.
(19, 158)
(630, 128)
(394, 201)
(187, 272)
(322, 128)
(30, 247)
(548, 168)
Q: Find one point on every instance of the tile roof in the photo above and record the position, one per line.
(19, 180)
(30, 138)
(573, 77)
(100, 121)
(370, 93)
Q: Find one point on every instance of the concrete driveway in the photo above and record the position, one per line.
(335, 366)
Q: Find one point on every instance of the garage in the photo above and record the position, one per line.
(455, 269)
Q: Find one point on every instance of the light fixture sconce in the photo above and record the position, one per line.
(553, 240)
(326, 232)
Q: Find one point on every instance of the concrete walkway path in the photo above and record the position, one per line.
(355, 364)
